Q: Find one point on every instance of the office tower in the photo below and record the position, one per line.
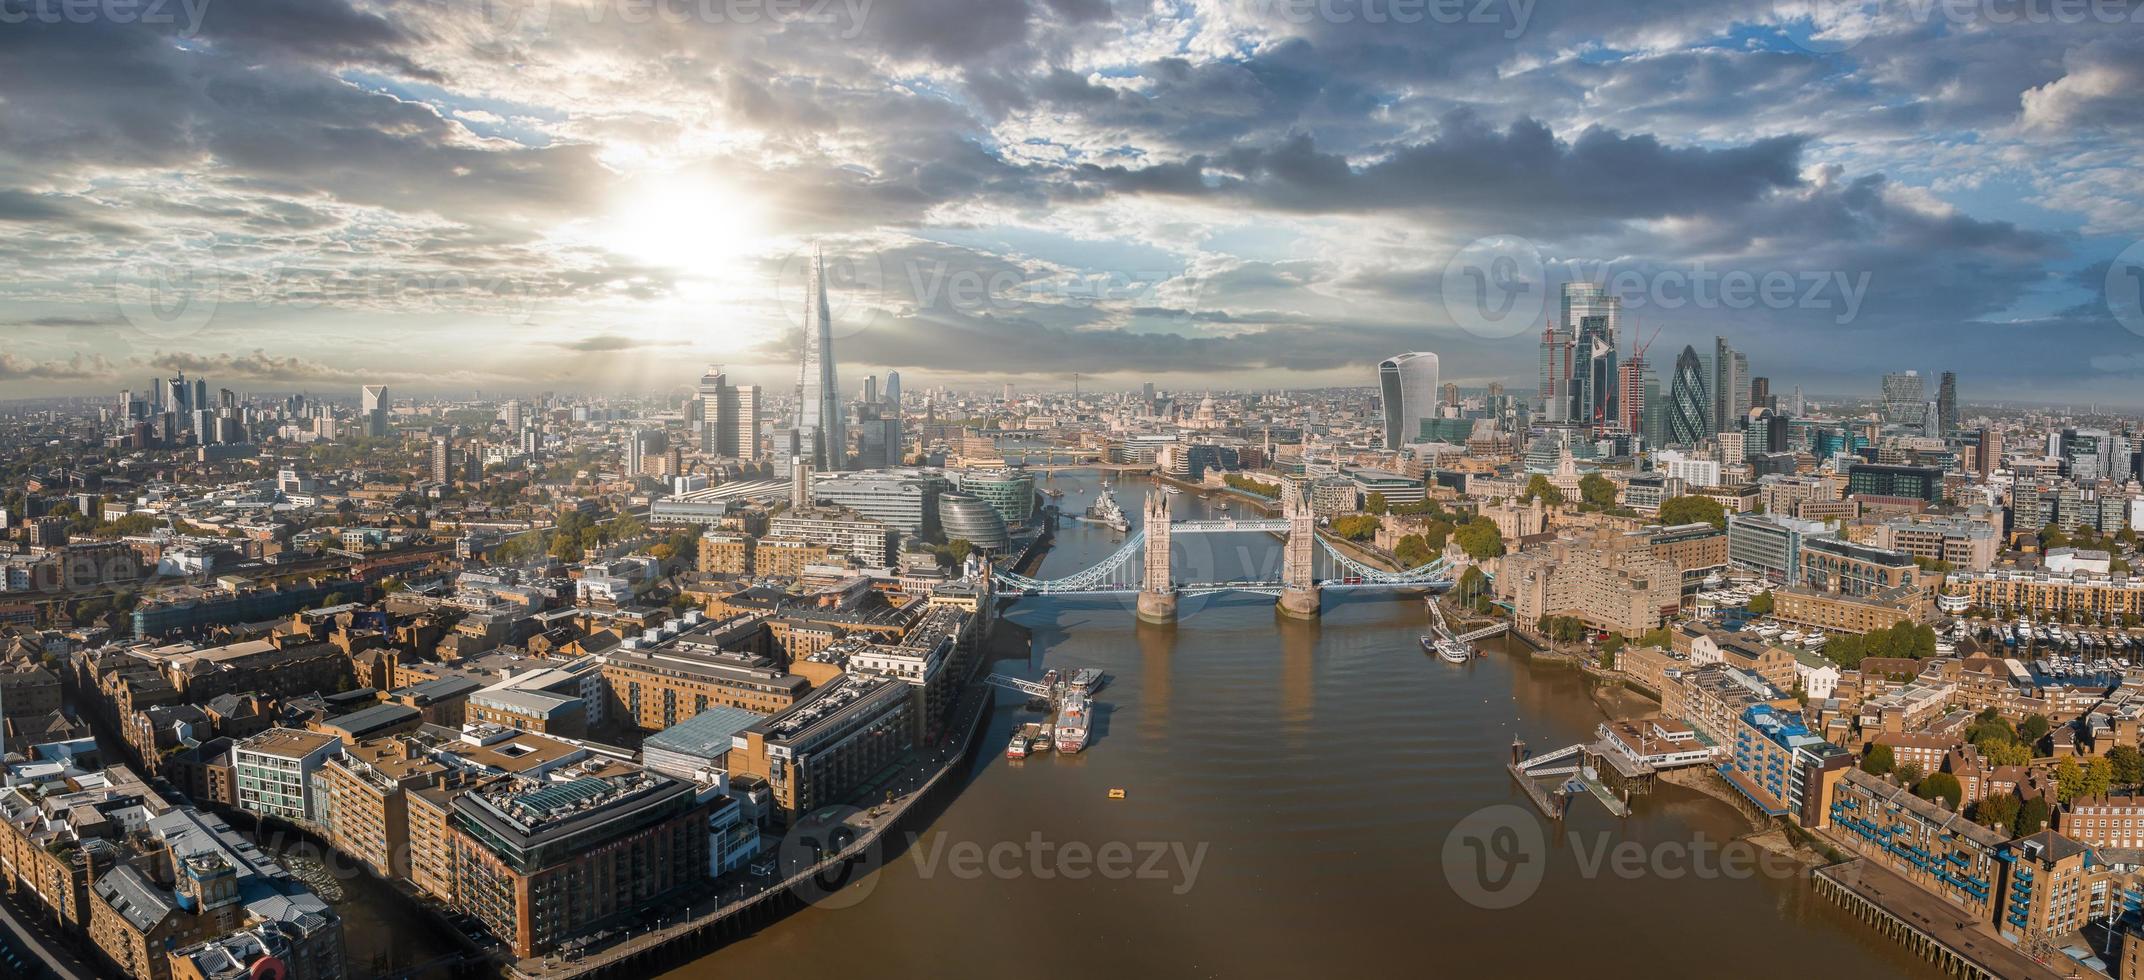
(1451, 394)
(1689, 408)
(1797, 406)
(819, 433)
(1760, 393)
(1408, 386)
(2085, 453)
(1652, 423)
(870, 389)
(1903, 399)
(442, 472)
(1590, 318)
(200, 395)
(510, 413)
(1632, 395)
(1006, 393)
(1147, 392)
(893, 389)
(1730, 385)
(878, 437)
(740, 416)
(712, 381)
(800, 485)
(1991, 451)
(1947, 404)
(373, 404)
(1555, 374)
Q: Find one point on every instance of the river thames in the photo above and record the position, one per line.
(1289, 789)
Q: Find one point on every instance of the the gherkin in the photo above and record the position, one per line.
(1689, 408)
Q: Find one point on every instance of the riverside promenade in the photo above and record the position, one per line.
(704, 927)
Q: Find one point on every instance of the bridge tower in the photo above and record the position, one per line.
(1298, 580)
(1157, 592)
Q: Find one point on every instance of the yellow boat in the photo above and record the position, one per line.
(1116, 794)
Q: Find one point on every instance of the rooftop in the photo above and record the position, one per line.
(288, 743)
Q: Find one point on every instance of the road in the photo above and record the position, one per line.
(32, 935)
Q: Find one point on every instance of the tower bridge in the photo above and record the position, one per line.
(1143, 566)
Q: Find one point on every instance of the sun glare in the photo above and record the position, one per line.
(681, 223)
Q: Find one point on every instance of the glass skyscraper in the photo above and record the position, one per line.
(1689, 407)
(1408, 385)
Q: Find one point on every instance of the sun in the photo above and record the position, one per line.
(681, 223)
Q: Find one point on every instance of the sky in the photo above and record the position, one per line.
(607, 195)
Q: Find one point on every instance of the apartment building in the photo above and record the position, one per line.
(274, 771)
(823, 747)
(1608, 580)
(543, 861)
(363, 794)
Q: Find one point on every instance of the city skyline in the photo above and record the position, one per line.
(1044, 203)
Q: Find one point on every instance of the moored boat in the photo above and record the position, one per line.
(1072, 721)
(1018, 748)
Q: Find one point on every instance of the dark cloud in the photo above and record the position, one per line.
(77, 367)
(1523, 174)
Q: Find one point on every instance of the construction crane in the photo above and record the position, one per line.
(1637, 351)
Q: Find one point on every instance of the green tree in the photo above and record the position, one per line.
(2003, 752)
(1761, 603)
(2098, 777)
(1597, 490)
(1413, 551)
(2032, 816)
(1480, 539)
(2051, 536)
(1910, 774)
(2069, 779)
(1879, 761)
(1375, 503)
(1998, 810)
(954, 553)
(1356, 527)
(1540, 487)
(2128, 764)
(2033, 729)
(1692, 509)
(1942, 786)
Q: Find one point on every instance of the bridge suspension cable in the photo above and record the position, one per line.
(1123, 570)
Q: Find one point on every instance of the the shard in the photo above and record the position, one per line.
(820, 437)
